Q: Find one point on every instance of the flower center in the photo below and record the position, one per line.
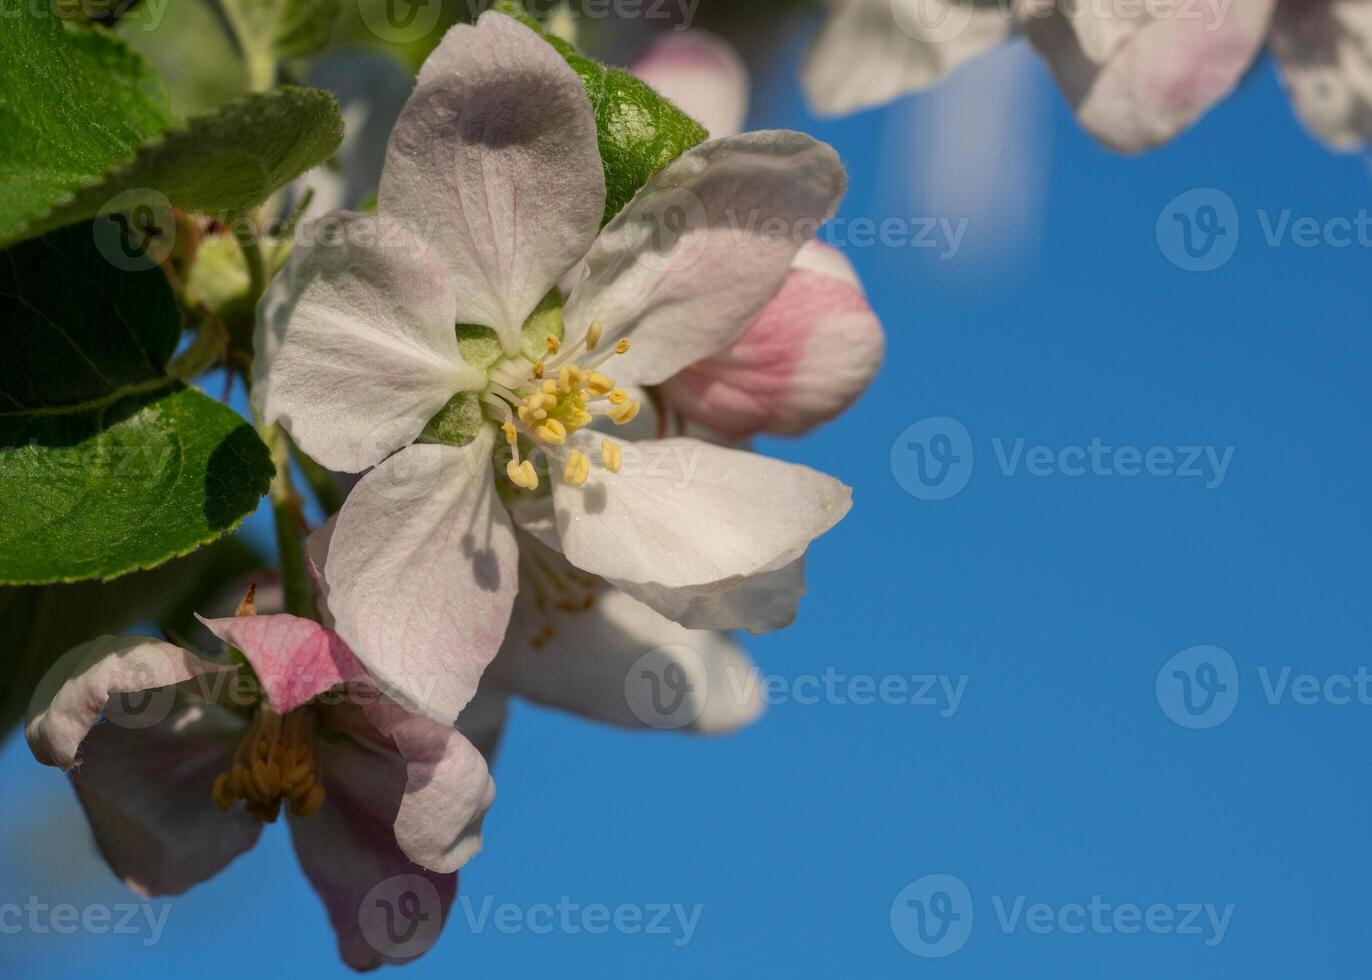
(274, 762)
(547, 400)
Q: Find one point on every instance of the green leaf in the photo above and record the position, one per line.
(639, 131)
(74, 102)
(108, 463)
(224, 160)
(279, 29)
(39, 623)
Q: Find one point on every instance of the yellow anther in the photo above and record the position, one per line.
(511, 436)
(623, 346)
(554, 345)
(597, 383)
(581, 418)
(551, 431)
(223, 791)
(310, 805)
(578, 468)
(622, 414)
(618, 396)
(568, 378)
(611, 456)
(593, 334)
(522, 474)
(550, 388)
(538, 369)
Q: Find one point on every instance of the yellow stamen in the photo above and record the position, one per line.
(578, 468)
(623, 414)
(553, 432)
(611, 456)
(597, 384)
(538, 369)
(622, 347)
(275, 760)
(618, 396)
(522, 474)
(511, 436)
(593, 335)
(554, 345)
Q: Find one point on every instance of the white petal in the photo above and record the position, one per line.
(1324, 48)
(759, 603)
(870, 52)
(495, 163)
(686, 515)
(703, 75)
(355, 343)
(422, 572)
(588, 667)
(701, 248)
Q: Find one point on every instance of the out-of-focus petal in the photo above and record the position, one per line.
(1324, 48)
(804, 359)
(703, 75)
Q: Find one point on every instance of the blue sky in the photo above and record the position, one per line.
(1051, 602)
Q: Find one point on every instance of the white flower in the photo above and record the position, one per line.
(493, 189)
(1136, 74)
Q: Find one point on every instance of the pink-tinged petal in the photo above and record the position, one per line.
(870, 52)
(295, 659)
(355, 348)
(422, 572)
(1162, 79)
(1324, 48)
(804, 359)
(384, 908)
(685, 519)
(702, 247)
(148, 796)
(448, 788)
(703, 75)
(76, 689)
(495, 163)
(587, 667)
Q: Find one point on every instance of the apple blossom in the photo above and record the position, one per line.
(179, 785)
(421, 338)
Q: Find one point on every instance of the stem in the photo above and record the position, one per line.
(286, 505)
(211, 340)
(290, 529)
(259, 64)
(321, 481)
